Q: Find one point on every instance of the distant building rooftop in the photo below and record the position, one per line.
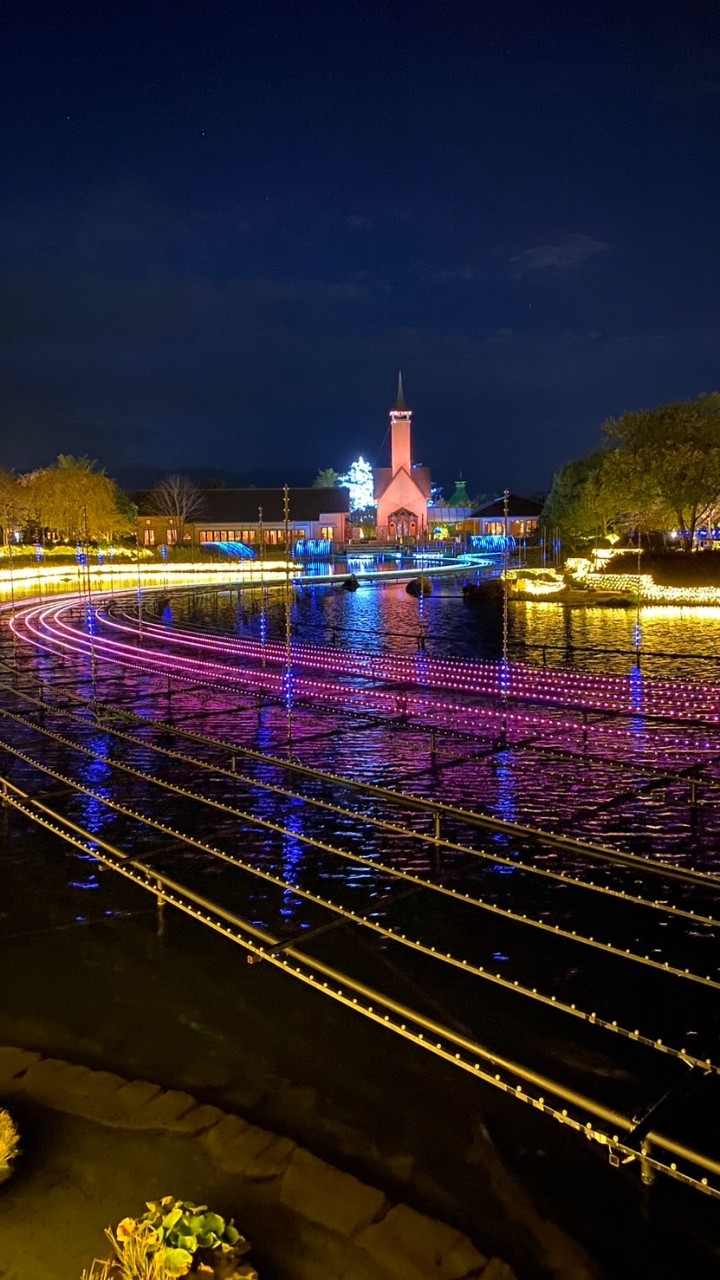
(237, 506)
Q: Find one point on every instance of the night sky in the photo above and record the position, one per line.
(225, 226)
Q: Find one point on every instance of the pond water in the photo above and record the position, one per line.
(89, 977)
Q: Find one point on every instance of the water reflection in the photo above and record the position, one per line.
(95, 774)
(505, 797)
(292, 860)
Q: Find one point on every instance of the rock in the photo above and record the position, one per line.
(409, 1246)
(248, 1151)
(13, 1065)
(496, 1269)
(322, 1194)
(108, 1099)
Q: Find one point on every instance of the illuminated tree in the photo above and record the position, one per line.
(77, 500)
(358, 479)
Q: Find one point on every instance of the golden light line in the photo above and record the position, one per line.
(433, 841)
(456, 895)
(392, 934)
(318, 976)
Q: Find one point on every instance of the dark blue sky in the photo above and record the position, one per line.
(225, 225)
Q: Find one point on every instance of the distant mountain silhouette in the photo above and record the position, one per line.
(142, 478)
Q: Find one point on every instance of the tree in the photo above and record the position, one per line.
(671, 456)
(326, 478)
(77, 501)
(365, 518)
(178, 498)
(359, 480)
(13, 505)
(581, 503)
(628, 491)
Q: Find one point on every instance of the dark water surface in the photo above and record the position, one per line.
(83, 973)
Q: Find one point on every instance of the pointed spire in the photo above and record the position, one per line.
(400, 405)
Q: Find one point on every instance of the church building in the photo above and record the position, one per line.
(402, 491)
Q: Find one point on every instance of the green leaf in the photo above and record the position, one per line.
(231, 1234)
(195, 1224)
(213, 1222)
(171, 1219)
(186, 1242)
(177, 1262)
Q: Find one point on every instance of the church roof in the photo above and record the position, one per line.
(400, 405)
(516, 507)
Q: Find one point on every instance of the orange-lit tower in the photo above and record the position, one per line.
(400, 422)
(402, 490)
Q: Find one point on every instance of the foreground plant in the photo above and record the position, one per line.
(9, 1144)
(174, 1238)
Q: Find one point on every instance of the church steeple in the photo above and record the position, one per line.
(400, 418)
(400, 405)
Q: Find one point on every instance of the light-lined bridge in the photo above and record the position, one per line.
(618, 945)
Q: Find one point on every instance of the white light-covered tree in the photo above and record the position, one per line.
(358, 479)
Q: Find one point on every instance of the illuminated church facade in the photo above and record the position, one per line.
(402, 491)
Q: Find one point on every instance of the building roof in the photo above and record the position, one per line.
(460, 496)
(517, 507)
(400, 405)
(240, 506)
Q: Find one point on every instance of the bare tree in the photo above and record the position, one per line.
(177, 497)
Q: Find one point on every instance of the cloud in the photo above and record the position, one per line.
(468, 272)
(563, 256)
(359, 222)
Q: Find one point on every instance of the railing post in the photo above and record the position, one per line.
(160, 911)
(647, 1172)
(435, 855)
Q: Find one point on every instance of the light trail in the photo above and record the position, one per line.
(47, 627)
(436, 842)
(526, 683)
(597, 852)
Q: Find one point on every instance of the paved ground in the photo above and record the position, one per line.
(74, 1178)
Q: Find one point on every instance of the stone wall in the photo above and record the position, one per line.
(313, 1221)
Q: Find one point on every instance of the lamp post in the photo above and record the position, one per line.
(139, 582)
(504, 664)
(90, 618)
(288, 619)
(637, 638)
(8, 534)
(506, 499)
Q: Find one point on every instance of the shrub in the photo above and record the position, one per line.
(171, 1239)
(9, 1143)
